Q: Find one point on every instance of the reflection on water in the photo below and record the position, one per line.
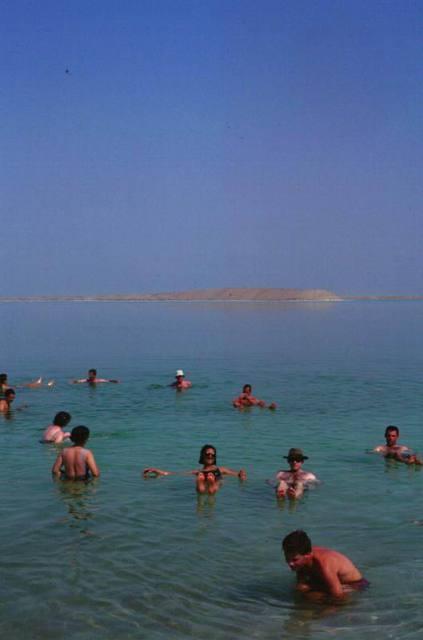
(205, 505)
(78, 498)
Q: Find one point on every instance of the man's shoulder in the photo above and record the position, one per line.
(307, 475)
(283, 474)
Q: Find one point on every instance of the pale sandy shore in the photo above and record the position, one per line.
(209, 295)
(239, 294)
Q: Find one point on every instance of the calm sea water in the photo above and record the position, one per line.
(124, 557)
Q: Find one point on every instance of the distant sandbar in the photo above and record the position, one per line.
(234, 294)
(231, 294)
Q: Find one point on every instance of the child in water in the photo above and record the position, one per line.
(76, 463)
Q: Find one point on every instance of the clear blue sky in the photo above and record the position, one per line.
(211, 143)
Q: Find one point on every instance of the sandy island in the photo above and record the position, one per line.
(232, 294)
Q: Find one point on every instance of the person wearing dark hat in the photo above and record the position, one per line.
(292, 483)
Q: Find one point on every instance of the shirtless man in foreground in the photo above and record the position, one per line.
(92, 378)
(396, 451)
(246, 399)
(320, 572)
(76, 463)
(293, 482)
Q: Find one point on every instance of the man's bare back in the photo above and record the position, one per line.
(76, 463)
(330, 571)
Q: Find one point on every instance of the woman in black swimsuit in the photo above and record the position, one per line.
(208, 478)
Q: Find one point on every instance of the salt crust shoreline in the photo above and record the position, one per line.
(216, 295)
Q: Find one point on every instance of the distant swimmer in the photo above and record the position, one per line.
(208, 479)
(180, 382)
(4, 384)
(76, 463)
(54, 433)
(292, 483)
(321, 572)
(394, 450)
(246, 399)
(6, 401)
(92, 378)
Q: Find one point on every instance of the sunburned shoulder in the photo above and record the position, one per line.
(323, 555)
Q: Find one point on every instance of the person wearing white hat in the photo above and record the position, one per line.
(180, 382)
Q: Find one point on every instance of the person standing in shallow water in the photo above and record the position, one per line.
(208, 479)
(54, 433)
(5, 403)
(291, 483)
(180, 383)
(320, 572)
(246, 399)
(92, 378)
(76, 463)
(396, 451)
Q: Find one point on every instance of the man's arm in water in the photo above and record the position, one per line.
(241, 474)
(56, 470)
(155, 473)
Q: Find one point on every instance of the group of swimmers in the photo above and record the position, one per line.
(321, 572)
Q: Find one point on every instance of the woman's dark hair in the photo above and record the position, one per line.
(202, 459)
(79, 435)
(62, 418)
(3, 378)
(244, 388)
(296, 543)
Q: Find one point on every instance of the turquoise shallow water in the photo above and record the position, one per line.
(130, 558)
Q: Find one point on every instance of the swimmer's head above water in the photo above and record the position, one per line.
(207, 455)
(9, 395)
(296, 545)
(62, 418)
(391, 435)
(79, 435)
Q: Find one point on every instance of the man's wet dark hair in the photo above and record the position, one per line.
(62, 418)
(296, 543)
(245, 387)
(3, 378)
(202, 459)
(79, 435)
(94, 371)
(391, 427)
(9, 392)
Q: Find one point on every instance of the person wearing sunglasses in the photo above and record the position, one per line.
(208, 478)
(291, 483)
